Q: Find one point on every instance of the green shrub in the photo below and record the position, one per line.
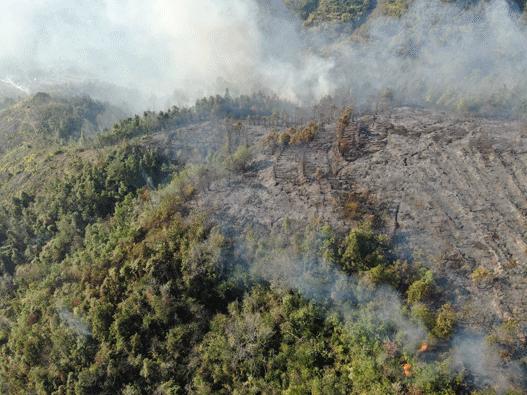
(363, 250)
(239, 160)
(302, 7)
(395, 8)
(422, 313)
(422, 289)
(445, 321)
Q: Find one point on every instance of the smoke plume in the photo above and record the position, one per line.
(382, 305)
(175, 51)
(445, 55)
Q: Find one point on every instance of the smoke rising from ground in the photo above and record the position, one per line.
(73, 322)
(445, 55)
(323, 283)
(382, 305)
(472, 352)
(192, 47)
(437, 53)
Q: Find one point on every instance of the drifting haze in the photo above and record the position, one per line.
(176, 51)
(354, 299)
(192, 47)
(445, 55)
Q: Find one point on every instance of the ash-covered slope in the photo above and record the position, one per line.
(456, 188)
(450, 189)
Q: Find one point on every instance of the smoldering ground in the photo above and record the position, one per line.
(290, 258)
(73, 322)
(356, 299)
(441, 54)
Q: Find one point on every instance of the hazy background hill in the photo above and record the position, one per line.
(45, 117)
(337, 11)
(300, 50)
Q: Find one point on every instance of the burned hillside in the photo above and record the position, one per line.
(263, 197)
(449, 190)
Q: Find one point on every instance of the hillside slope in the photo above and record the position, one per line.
(316, 12)
(56, 119)
(449, 188)
(232, 248)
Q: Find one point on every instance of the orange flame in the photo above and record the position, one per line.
(424, 347)
(407, 370)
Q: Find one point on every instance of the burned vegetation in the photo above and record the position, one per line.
(248, 246)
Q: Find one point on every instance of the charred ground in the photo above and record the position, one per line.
(449, 189)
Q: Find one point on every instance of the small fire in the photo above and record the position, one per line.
(424, 347)
(407, 370)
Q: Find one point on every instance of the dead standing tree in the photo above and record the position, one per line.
(236, 135)
(342, 124)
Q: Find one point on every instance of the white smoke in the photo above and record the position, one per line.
(438, 53)
(73, 322)
(194, 46)
(473, 353)
(296, 261)
(444, 55)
